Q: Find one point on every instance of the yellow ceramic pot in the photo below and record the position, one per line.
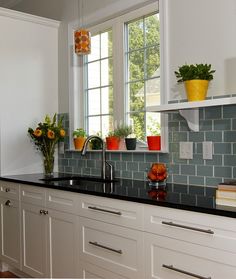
(196, 89)
(79, 142)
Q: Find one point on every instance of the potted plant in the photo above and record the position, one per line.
(79, 138)
(154, 139)
(196, 80)
(123, 131)
(112, 141)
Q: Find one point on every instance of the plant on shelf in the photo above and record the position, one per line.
(79, 136)
(196, 79)
(112, 140)
(46, 135)
(154, 135)
(124, 131)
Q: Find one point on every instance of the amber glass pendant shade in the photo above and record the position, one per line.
(82, 42)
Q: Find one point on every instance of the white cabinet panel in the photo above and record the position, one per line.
(10, 232)
(91, 271)
(33, 240)
(164, 255)
(121, 213)
(33, 195)
(62, 231)
(203, 229)
(112, 247)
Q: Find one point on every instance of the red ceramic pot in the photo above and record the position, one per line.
(112, 143)
(154, 142)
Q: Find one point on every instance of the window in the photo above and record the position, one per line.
(99, 85)
(121, 76)
(143, 74)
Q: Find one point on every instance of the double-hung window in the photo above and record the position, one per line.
(121, 76)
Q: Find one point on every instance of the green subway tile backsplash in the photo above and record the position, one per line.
(217, 124)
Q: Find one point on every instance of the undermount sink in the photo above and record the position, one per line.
(77, 178)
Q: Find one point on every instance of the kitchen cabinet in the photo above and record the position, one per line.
(10, 224)
(66, 234)
(49, 236)
(112, 247)
(179, 242)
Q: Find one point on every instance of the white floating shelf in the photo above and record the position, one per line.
(189, 105)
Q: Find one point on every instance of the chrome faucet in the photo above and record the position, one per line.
(107, 171)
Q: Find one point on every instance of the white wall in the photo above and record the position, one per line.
(203, 31)
(67, 11)
(28, 87)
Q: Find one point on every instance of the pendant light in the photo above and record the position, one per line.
(82, 36)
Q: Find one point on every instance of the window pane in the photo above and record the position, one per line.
(152, 62)
(136, 65)
(94, 102)
(107, 124)
(93, 74)
(136, 96)
(107, 100)
(153, 121)
(152, 30)
(136, 34)
(139, 124)
(106, 44)
(106, 71)
(153, 92)
(94, 125)
(95, 48)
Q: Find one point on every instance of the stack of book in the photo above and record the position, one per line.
(226, 194)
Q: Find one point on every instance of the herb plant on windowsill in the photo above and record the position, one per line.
(196, 80)
(79, 138)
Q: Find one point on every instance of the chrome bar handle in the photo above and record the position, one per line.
(105, 247)
(105, 210)
(187, 227)
(171, 267)
(8, 203)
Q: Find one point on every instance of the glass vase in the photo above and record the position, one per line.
(48, 164)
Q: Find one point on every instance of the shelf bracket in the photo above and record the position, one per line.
(192, 118)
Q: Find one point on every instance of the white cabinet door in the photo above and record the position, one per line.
(168, 258)
(62, 230)
(10, 228)
(33, 240)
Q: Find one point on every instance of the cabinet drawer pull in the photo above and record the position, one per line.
(8, 203)
(7, 190)
(171, 267)
(45, 212)
(105, 247)
(187, 227)
(41, 211)
(105, 210)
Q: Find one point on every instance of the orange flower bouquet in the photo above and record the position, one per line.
(46, 135)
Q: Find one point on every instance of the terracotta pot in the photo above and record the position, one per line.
(79, 142)
(196, 89)
(112, 143)
(154, 142)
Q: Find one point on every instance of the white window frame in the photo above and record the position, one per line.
(76, 72)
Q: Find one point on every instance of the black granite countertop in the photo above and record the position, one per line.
(187, 197)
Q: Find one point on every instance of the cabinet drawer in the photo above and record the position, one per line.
(112, 211)
(62, 201)
(91, 271)
(10, 190)
(33, 195)
(114, 248)
(174, 259)
(204, 229)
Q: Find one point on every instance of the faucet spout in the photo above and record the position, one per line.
(106, 168)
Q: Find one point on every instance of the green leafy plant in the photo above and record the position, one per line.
(123, 131)
(197, 71)
(80, 132)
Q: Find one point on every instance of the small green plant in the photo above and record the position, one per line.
(80, 132)
(123, 131)
(197, 71)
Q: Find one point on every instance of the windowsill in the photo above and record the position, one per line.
(142, 150)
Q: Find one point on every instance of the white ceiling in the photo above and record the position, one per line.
(9, 3)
